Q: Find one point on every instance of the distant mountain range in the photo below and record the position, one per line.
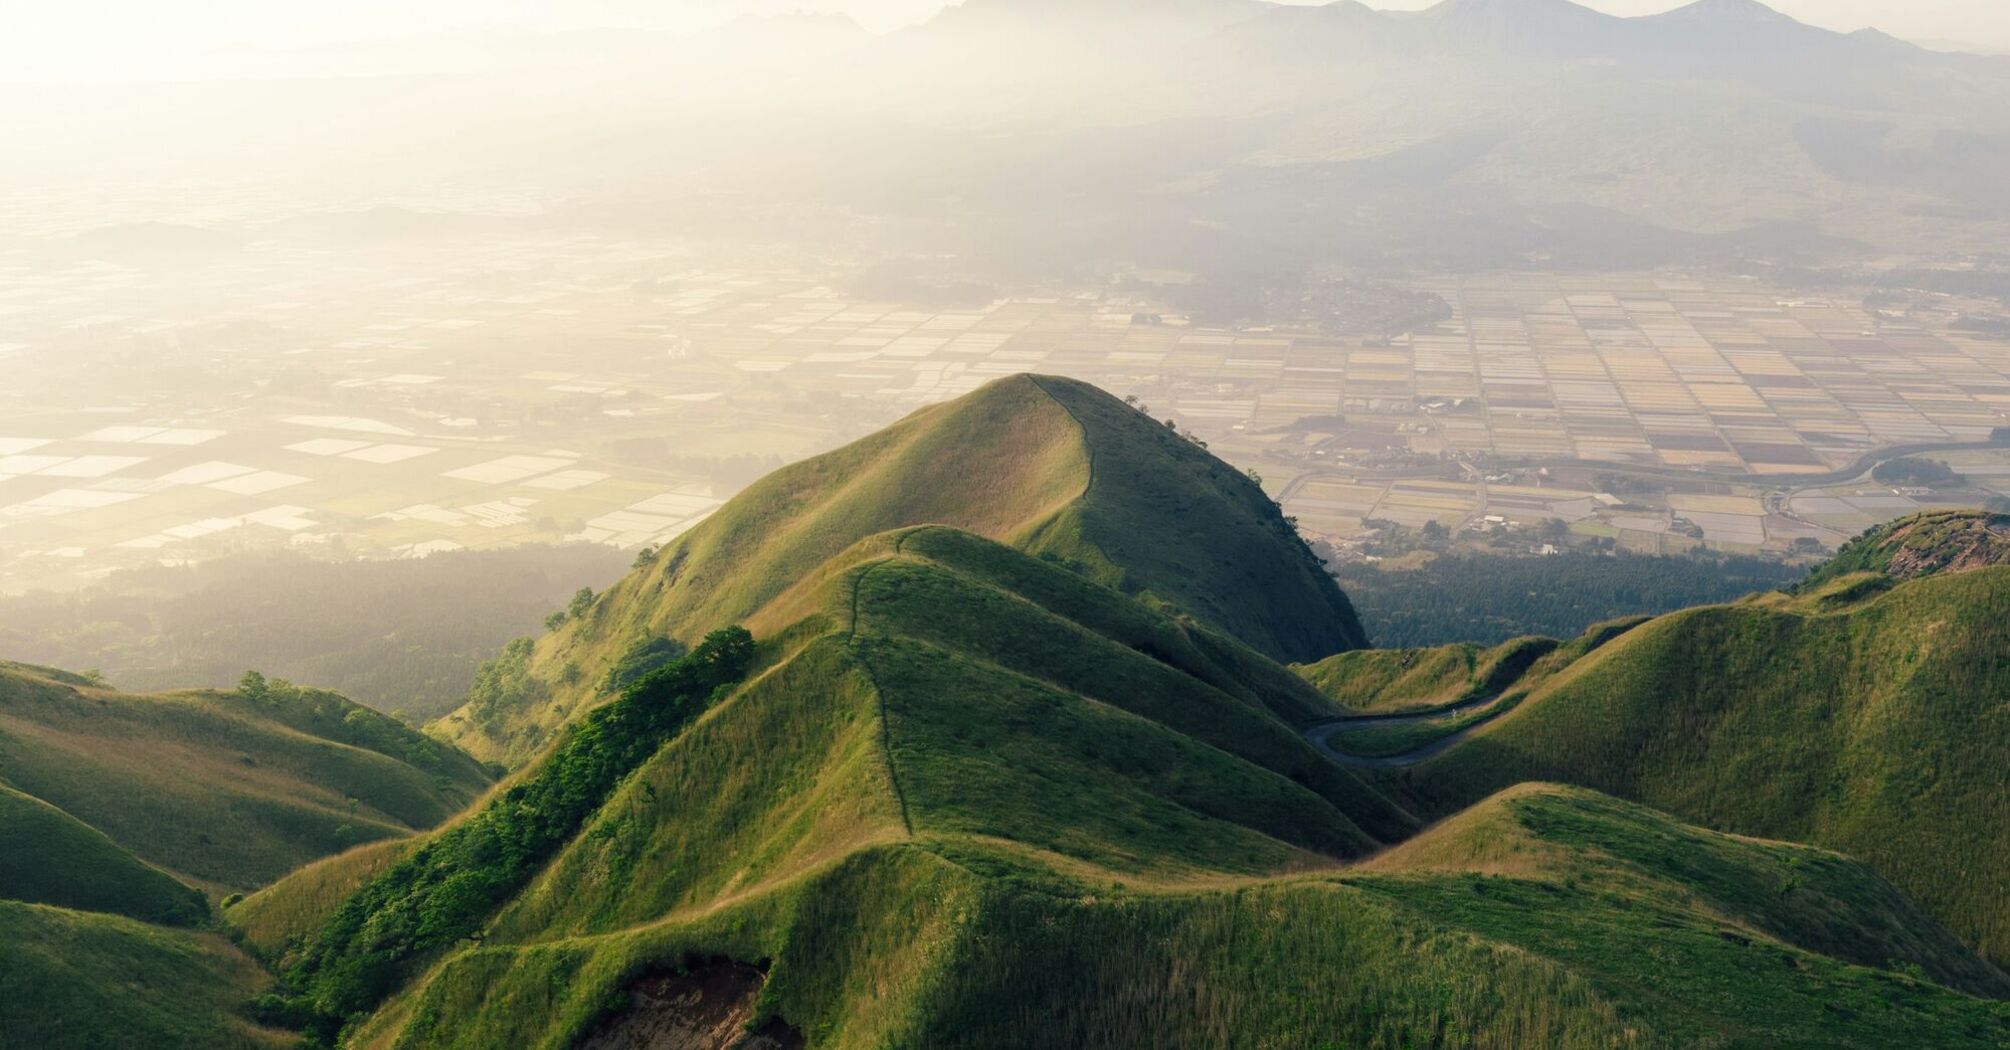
(1522, 128)
(1036, 140)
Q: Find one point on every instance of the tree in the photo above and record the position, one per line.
(252, 686)
(1911, 470)
(582, 600)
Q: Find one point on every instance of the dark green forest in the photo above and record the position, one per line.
(1490, 599)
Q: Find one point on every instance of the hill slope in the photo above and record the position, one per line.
(1046, 787)
(50, 857)
(966, 794)
(1866, 715)
(72, 980)
(1051, 466)
(224, 790)
(1921, 545)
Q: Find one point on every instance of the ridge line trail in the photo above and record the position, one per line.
(1320, 734)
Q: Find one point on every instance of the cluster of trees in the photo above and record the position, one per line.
(1489, 599)
(1912, 470)
(505, 684)
(640, 659)
(334, 717)
(401, 636)
(1617, 484)
(449, 887)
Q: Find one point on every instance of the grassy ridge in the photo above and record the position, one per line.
(1809, 898)
(1037, 775)
(448, 887)
(917, 708)
(1921, 545)
(72, 980)
(50, 857)
(1864, 720)
(939, 943)
(787, 775)
(960, 595)
(974, 797)
(223, 790)
(995, 462)
(1165, 520)
(1047, 465)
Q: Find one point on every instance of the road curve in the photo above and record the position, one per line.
(1320, 735)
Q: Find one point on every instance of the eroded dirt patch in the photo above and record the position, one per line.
(706, 1006)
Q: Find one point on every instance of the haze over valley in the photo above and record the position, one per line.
(1104, 523)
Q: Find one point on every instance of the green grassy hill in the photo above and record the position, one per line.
(73, 980)
(1039, 777)
(966, 794)
(1048, 465)
(1865, 714)
(1945, 541)
(223, 790)
(50, 857)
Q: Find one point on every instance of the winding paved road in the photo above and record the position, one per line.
(1320, 735)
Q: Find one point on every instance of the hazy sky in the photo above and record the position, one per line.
(143, 39)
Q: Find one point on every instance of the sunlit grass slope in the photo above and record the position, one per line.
(220, 789)
(1803, 896)
(944, 683)
(289, 909)
(971, 796)
(952, 942)
(1048, 465)
(72, 980)
(1864, 715)
(50, 857)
